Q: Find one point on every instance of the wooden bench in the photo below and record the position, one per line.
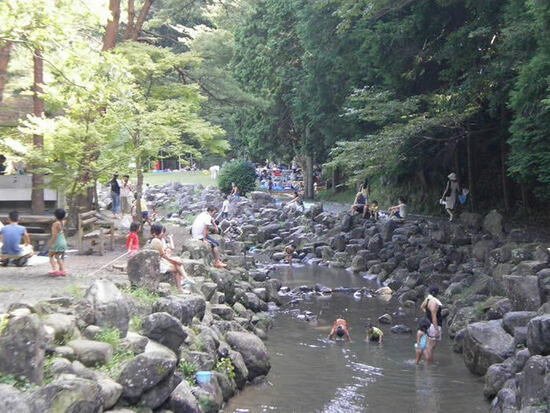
(91, 227)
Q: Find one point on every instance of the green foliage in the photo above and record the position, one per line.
(225, 365)
(76, 291)
(48, 374)
(136, 323)
(110, 336)
(189, 370)
(68, 336)
(19, 382)
(116, 364)
(241, 172)
(142, 294)
(4, 321)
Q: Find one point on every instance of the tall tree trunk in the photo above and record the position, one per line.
(111, 34)
(131, 18)
(139, 188)
(37, 194)
(141, 19)
(5, 51)
(309, 192)
(503, 131)
(470, 169)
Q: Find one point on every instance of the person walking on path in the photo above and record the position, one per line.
(58, 244)
(126, 195)
(450, 195)
(115, 195)
(432, 306)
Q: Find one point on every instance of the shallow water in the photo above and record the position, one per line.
(311, 374)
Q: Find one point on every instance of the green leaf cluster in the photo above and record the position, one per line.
(242, 173)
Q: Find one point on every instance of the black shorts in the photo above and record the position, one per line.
(360, 208)
(212, 241)
(224, 214)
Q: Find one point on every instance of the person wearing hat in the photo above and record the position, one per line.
(450, 195)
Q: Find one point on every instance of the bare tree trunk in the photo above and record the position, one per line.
(37, 194)
(131, 18)
(141, 19)
(470, 169)
(111, 34)
(5, 51)
(139, 188)
(505, 192)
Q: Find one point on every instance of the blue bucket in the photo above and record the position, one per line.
(203, 377)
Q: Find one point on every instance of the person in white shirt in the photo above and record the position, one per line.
(126, 194)
(225, 207)
(200, 231)
(399, 211)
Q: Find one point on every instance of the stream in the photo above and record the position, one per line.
(311, 374)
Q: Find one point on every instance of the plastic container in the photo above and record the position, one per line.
(203, 377)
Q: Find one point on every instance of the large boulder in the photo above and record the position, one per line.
(496, 376)
(515, 319)
(182, 399)
(376, 243)
(111, 392)
(265, 232)
(63, 325)
(22, 345)
(486, 343)
(146, 370)
(523, 292)
(253, 351)
(12, 400)
(68, 393)
(471, 220)
(183, 308)
(144, 269)
(91, 353)
(492, 223)
(164, 329)
(109, 305)
(538, 335)
(155, 397)
(261, 198)
(240, 369)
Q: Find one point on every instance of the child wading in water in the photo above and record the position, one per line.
(289, 252)
(58, 244)
(132, 242)
(421, 338)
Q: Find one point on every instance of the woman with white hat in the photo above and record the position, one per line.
(450, 195)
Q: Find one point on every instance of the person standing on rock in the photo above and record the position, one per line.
(432, 306)
(200, 231)
(450, 195)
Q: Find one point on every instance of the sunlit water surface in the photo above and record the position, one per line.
(311, 374)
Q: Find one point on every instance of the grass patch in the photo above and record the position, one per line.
(19, 382)
(116, 364)
(68, 336)
(7, 289)
(136, 323)
(188, 369)
(76, 291)
(142, 294)
(198, 177)
(110, 336)
(343, 197)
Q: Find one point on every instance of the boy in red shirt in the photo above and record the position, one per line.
(132, 242)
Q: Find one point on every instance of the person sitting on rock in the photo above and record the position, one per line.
(360, 205)
(399, 211)
(374, 210)
(374, 333)
(340, 328)
(11, 236)
(432, 306)
(200, 231)
(168, 263)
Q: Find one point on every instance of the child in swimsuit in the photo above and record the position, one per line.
(58, 244)
(421, 338)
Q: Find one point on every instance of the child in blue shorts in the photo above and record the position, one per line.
(421, 338)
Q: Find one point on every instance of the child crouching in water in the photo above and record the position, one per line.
(58, 244)
(289, 252)
(132, 242)
(421, 338)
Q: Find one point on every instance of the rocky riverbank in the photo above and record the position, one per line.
(131, 342)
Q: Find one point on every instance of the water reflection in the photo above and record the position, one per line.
(312, 374)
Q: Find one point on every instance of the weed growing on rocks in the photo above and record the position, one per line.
(226, 366)
(19, 382)
(142, 294)
(188, 369)
(115, 365)
(110, 336)
(135, 323)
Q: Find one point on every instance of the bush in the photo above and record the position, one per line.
(241, 172)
